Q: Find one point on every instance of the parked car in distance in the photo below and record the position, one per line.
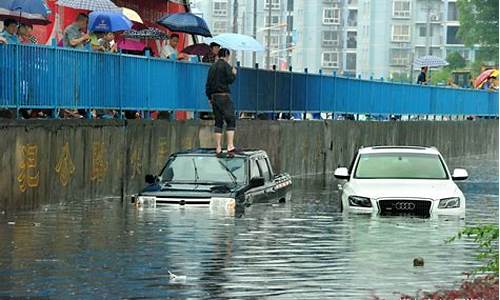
(199, 178)
(401, 180)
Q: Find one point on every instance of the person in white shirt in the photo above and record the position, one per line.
(169, 51)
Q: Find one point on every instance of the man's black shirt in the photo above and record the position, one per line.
(220, 76)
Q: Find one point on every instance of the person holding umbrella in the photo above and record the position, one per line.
(169, 51)
(10, 31)
(211, 56)
(74, 36)
(220, 76)
(422, 77)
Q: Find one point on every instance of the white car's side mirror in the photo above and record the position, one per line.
(459, 174)
(341, 173)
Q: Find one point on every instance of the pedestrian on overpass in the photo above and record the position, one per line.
(422, 77)
(220, 76)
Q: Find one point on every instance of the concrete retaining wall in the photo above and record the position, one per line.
(55, 161)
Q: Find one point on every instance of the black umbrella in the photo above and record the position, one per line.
(185, 22)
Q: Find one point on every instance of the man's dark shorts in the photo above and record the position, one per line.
(223, 109)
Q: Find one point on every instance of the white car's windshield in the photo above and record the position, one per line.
(204, 169)
(400, 166)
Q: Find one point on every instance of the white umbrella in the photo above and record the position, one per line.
(239, 42)
(93, 5)
(429, 61)
(132, 15)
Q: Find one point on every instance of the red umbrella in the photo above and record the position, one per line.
(483, 77)
(197, 49)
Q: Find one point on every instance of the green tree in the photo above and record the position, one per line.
(479, 25)
(456, 61)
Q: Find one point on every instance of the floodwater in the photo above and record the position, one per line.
(303, 249)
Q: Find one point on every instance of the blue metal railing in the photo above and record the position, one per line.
(50, 77)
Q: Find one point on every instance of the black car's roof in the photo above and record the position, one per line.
(211, 152)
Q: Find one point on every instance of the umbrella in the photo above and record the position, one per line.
(93, 5)
(237, 41)
(132, 15)
(429, 61)
(185, 22)
(197, 49)
(481, 79)
(133, 45)
(107, 21)
(150, 33)
(33, 12)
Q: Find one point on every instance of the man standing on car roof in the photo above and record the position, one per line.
(220, 76)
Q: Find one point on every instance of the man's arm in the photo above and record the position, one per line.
(230, 74)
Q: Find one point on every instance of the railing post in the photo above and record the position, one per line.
(306, 71)
(238, 94)
(334, 94)
(17, 81)
(274, 93)
(147, 115)
(55, 111)
(290, 69)
(320, 109)
(120, 84)
(257, 90)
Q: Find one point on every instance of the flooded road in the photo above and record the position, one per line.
(303, 249)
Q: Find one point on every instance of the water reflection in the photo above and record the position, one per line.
(302, 249)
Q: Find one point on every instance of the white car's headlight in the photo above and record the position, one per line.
(359, 201)
(453, 202)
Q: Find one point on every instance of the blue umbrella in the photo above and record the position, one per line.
(33, 12)
(185, 22)
(107, 21)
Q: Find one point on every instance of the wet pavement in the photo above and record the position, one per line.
(303, 249)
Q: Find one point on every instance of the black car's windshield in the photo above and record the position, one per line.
(203, 169)
(400, 166)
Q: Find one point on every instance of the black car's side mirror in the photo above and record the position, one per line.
(257, 181)
(150, 179)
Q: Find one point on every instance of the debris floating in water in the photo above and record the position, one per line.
(418, 262)
(175, 278)
(11, 223)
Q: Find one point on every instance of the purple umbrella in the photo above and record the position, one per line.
(197, 49)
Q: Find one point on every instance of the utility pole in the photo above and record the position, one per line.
(428, 29)
(269, 2)
(235, 16)
(254, 55)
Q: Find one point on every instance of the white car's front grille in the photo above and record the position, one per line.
(414, 207)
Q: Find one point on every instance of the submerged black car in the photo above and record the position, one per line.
(199, 177)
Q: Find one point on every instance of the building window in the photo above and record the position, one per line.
(352, 40)
(275, 4)
(219, 27)
(274, 21)
(422, 31)
(330, 38)
(350, 63)
(274, 42)
(401, 9)
(331, 16)
(400, 57)
(452, 11)
(452, 37)
(330, 60)
(352, 19)
(352, 2)
(401, 33)
(220, 8)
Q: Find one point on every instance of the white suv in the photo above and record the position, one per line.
(399, 180)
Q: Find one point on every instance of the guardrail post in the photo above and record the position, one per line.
(274, 116)
(238, 94)
(306, 71)
(55, 111)
(17, 81)
(120, 81)
(334, 94)
(320, 92)
(290, 69)
(147, 115)
(257, 90)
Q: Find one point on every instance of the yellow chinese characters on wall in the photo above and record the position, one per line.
(99, 164)
(29, 174)
(65, 166)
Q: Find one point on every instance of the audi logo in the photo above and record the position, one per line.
(404, 205)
